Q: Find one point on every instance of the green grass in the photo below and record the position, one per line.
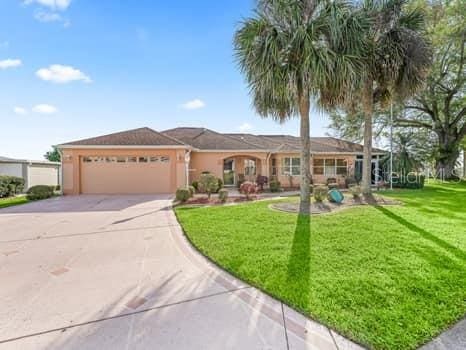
(9, 202)
(387, 277)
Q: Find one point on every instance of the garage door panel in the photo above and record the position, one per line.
(125, 178)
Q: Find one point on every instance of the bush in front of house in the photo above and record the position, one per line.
(208, 183)
(261, 181)
(356, 191)
(182, 194)
(275, 186)
(410, 181)
(248, 188)
(320, 193)
(195, 184)
(223, 195)
(40, 192)
(220, 184)
(10, 185)
(192, 191)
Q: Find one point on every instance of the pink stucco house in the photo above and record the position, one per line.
(146, 161)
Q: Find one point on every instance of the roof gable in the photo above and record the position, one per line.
(135, 137)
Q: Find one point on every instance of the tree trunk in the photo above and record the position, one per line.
(368, 106)
(305, 200)
(446, 160)
(464, 162)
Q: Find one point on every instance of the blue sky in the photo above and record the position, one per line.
(71, 69)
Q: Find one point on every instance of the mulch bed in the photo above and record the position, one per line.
(215, 201)
(328, 207)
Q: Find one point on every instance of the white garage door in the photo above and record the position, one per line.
(126, 175)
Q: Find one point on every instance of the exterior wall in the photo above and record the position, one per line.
(11, 169)
(72, 172)
(42, 174)
(213, 162)
(317, 179)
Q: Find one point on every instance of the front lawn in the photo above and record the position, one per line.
(10, 201)
(388, 277)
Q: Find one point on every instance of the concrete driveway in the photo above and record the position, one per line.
(115, 272)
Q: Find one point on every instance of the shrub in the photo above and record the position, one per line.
(57, 188)
(411, 181)
(247, 188)
(332, 183)
(220, 184)
(320, 193)
(356, 191)
(261, 181)
(11, 185)
(275, 186)
(191, 190)
(182, 194)
(39, 192)
(208, 184)
(223, 195)
(350, 181)
(195, 184)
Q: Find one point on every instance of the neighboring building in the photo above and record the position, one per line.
(34, 172)
(147, 161)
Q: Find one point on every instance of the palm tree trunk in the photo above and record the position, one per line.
(305, 200)
(368, 106)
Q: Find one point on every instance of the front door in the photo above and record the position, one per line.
(229, 172)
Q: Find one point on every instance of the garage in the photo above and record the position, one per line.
(125, 174)
(139, 161)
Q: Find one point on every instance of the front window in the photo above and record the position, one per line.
(291, 166)
(330, 167)
(249, 167)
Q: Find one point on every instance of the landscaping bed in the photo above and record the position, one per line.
(388, 277)
(328, 207)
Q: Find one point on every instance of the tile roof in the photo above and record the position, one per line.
(205, 139)
(135, 137)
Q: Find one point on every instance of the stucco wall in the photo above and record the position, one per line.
(213, 162)
(11, 169)
(72, 172)
(41, 174)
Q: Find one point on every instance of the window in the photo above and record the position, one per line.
(330, 167)
(132, 159)
(291, 166)
(87, 159)
(143, 159)
(249, 167)
(110, 159)
(164, 159)
(154, 159)
(121, 159)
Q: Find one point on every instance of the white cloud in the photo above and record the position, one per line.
(193, 104)
(51, 4)
(58, 73)
(44, 16)
(45, 109)
(245, 127)
(20, 110)
(10, 63)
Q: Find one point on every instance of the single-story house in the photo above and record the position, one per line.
(147, 161)
(34, 172)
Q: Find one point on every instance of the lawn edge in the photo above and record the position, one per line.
(232, 273)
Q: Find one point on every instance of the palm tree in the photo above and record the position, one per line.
(397, 61)
(295, 50)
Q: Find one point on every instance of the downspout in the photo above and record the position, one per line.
(60, 171)
(187, 159)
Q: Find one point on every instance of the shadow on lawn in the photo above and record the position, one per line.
(460, 254)
(299, 265)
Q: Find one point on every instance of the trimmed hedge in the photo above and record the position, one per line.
(183, 194)
(40, 192)
(10, 185)
(411, 181)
